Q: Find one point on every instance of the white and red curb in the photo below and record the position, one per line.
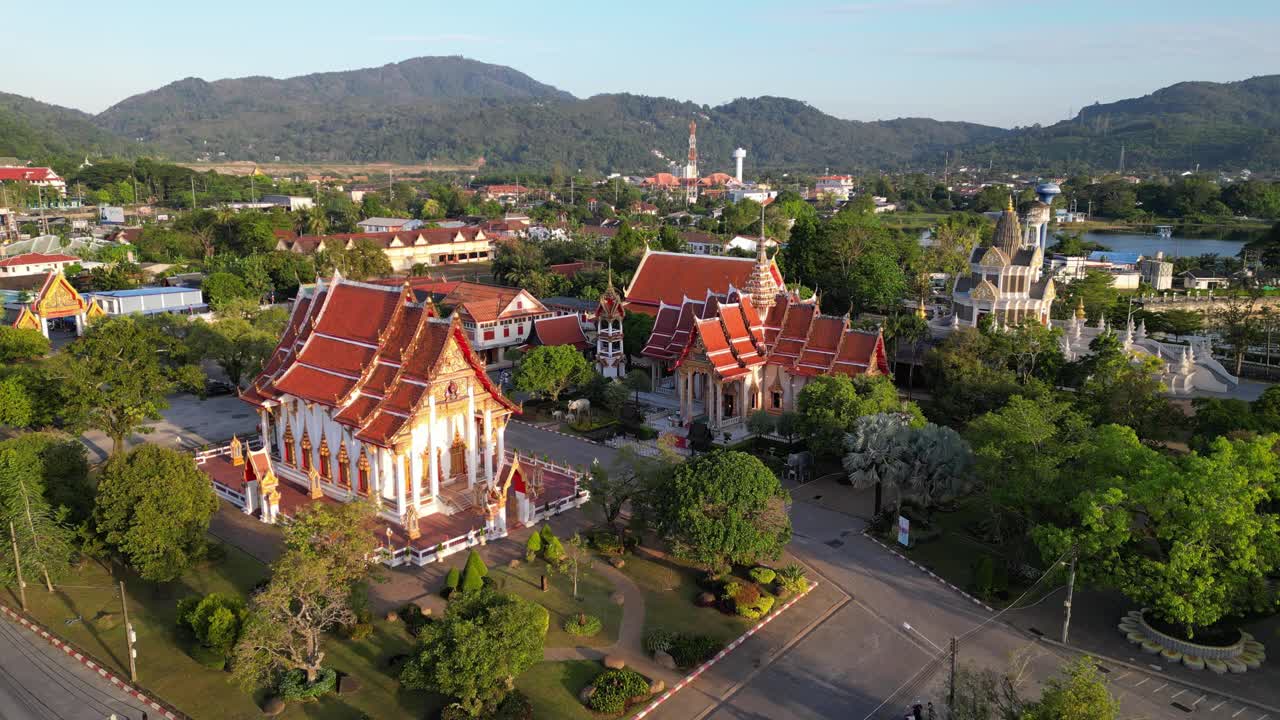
(653, 705)
(85, 660)
(932, 574)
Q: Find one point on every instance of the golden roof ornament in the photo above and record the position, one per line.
(1080, 313)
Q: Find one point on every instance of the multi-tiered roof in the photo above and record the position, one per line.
(792, 335)
(368, 352)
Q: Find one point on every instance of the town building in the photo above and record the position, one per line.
(428, 246)
(36, 264)
(494, 318)
(388, 225)
(291, 203)
(1201, 279)
(737, 350)
(505, 194)
(1005, 280)
(1156, 271)
(370, 395)
(840, 187)
(42, 177)
(150, 300)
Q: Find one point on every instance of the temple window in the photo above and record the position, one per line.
(324, 459)
(306, 451)
(344, 466)
(288, 445)
(362, 473)
(775, 399)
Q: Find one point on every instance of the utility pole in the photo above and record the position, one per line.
(17, 564)
(129, 636)
(193, 192)
(135, 189)
(951, 688)
(571, 191)
(253, 192)
(1071, 586)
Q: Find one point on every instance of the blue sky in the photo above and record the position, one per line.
(989, 61)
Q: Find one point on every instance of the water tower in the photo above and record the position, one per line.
(1038, 221)
(1047, 192)
(738, 155)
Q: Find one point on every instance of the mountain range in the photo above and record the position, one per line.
(456, 110)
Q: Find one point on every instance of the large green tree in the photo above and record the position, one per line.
(1193, 538)
(153, 509)
(551, 369)
(828, 406)
(115, 377)
(41, 530)
(17, 345)
(476, 651)
(722, 508)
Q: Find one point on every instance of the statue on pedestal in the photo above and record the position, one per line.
(410, 521)
(313, 483)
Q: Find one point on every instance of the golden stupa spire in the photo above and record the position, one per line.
(1080, 314)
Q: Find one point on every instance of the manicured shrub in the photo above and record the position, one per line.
(293, 686)
(413, 617)
(791, 579)
(547, 533)
(763, 575)
(757, 609)
(475, 561)
(532, 547)
(452, 580)
(515, 706)
(358, 631)
(658, 640)
(691, 650)
(615, 689)
(582, 625)
(214, 620)
(737, 594)
(552, 550)
(472, 579)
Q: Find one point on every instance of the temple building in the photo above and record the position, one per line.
(371, 395)
(1006, 278)
(32, 301)
(733, 352)
(610, 356)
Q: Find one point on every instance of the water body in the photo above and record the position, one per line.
(1176, 246)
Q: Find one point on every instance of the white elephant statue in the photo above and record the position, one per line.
(579, 406)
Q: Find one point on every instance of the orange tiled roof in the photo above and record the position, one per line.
(558, 330)
(666, 277)
(367, 351)
(486, 303)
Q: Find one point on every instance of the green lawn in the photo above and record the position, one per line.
(669, 591)
(953, 554)
(593, 589)
(165, 668)
(553, 689)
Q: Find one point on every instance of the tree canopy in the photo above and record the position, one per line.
(153, 509)
(551, 369)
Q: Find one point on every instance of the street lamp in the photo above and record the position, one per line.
(388, 539)
(907, 626)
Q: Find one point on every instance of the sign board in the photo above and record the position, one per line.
(904, 531)
(110, 215)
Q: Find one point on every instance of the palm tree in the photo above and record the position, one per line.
(877, 454)
(311, 221)
(941, 463)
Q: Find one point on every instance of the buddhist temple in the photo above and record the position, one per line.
(732, 352)
(370, 395)
(1006, 278)
(48, 297)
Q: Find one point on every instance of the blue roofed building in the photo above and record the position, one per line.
(150, 300)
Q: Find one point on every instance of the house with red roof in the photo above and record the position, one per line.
(558, 330)
(35, 264)
(670, 277)
(495, 318)
(404, 249)
(39, 176)
(371, 395)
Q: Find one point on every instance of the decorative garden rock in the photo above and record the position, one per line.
(656, 687)
(273, 706)
(514, 563)
(393, 616)
(705, 599)
(664, 659)
(1193, 662)
(613, 662)
(617, 562)
(584, 695)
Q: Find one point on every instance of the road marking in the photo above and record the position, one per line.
(1161, 688)
(1202, 697)
(1175, 695)
(1141, 682)
(1125, 675)
(1220, 704)
(1264, 717)
(1237, 712)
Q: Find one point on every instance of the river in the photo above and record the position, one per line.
(1176, 246)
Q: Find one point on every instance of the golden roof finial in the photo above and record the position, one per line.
(1009, 207)
(1080, 314)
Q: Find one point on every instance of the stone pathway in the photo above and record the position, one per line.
(629, 631)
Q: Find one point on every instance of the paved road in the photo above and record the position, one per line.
(38, 682)
(861, 654)
(563, 448)
(189, 423)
